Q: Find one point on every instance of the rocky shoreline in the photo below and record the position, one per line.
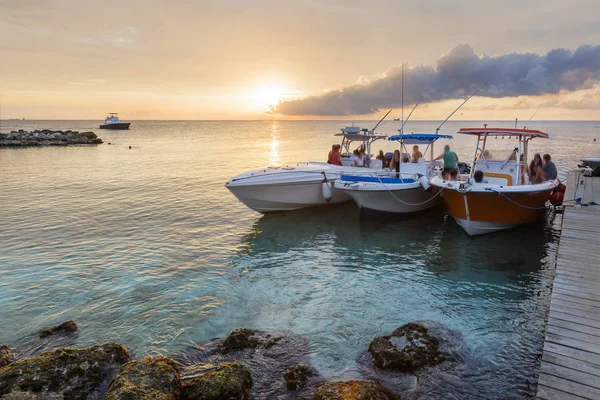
(240, 366)
(47, 137)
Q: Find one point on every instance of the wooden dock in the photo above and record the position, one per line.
(570, 366)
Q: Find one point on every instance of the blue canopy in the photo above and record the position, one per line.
(419, 138)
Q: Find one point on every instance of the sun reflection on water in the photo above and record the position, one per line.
(274, 154)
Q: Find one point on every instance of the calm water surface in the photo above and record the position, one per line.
(146, 247)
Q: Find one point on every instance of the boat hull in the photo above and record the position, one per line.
(121, 126)
(481, 212)
(285, 197)
(394, 201)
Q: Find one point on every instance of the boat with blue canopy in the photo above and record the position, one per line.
(404, 186)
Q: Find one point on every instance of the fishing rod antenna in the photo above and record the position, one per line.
(458, 108)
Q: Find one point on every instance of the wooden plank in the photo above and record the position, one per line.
(548, 393)
(571, 352)
(555, 382)
(574, 326)
(571, 374)
(573, 343)
(578, 282)
(575, 312)
(591, 310)
(566, 291)
(559, 359)
(589, 293)
(572, 318)
(575, 300)
(578, 335)
(578, 273)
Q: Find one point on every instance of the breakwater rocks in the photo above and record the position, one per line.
(47, 137)
(246, 365)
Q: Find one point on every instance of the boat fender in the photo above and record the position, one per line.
(326, 188)
(425, 183)
(556, 198)
(561, 188)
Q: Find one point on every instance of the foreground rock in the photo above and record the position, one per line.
(66, 372)
(244, 338)
(354, 390)
(47, 137)
(231, 381)
(274, 355)
(4, 355)
(150, 378)
(408, 348)
(297, 375)
(66, 327)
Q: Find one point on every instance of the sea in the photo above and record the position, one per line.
(139, 242)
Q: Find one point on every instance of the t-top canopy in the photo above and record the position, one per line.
(360, 137)
(503, 132)
(419, 138)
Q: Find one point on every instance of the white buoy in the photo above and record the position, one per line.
(326, 190)
(425, 183)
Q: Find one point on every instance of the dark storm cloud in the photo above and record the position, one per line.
(459, 73)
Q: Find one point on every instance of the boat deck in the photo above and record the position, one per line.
(570, 367)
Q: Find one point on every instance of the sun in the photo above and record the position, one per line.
(268, 95)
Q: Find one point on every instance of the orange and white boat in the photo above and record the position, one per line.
(505, 198)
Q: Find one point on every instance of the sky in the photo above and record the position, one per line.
(314, 59)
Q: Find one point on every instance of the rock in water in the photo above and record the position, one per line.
(69, 373)
(240, 339)
(355, 390)
(154, 378)
(69, 327)
(297, 375)
(4, 355)
(231, 381)
(408, 348)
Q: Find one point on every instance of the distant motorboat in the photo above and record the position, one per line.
(112, 121)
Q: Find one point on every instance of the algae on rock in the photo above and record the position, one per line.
(230, 381)
(354, 390)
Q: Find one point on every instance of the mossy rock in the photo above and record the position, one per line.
(297, 375)
(240, 339)
(66, 327)
(67, 372)
(408, 348)
(231, 381)
(149, 378)
(354, 390)
(4, 355)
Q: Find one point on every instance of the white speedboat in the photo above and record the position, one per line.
(503, 198)
(403, 191)
(591, 162)
(302, 185)
(113, 122)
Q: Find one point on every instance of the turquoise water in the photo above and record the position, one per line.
(146, 247)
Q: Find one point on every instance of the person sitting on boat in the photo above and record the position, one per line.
(549, 168)
(382, 158)
(357, 159)
(395, 163)
(486, 155)
(366, 156)
(513, 155)
(330, 155)
(535, 165)
(336, 157)
(416, 155)
(450, 161)
(478, 176)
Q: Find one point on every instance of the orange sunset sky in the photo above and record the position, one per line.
(298, 60)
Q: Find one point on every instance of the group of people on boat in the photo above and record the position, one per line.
(542, 169)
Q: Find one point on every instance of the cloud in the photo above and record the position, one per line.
(457, 74)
